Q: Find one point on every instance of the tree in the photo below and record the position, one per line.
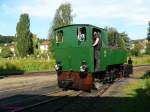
(148, 34)
(148, 38)
(148, 48)
(126, 39)
(23, 36)
(116, 38)
(121, 43)
(63, 16)
(112, 33)
(137, 49)
(36, 43)
(6, 39)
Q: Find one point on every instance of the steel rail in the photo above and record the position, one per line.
(58, 95)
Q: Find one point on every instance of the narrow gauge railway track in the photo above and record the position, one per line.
(107, 86)
(103, 89)
(63, 94)
(18, 88)
(58, 95)
(27, 89)
(16, 102)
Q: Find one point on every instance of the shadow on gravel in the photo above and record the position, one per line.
(10, 69)
(139, 103)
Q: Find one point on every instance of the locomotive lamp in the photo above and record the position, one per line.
(83, 67)
(58, 66)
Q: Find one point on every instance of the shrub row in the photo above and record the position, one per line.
(8, 66)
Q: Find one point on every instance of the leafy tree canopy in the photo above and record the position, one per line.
(63, 16)
(6, 39)
(148, 34)
(24, 36)
(115, 38)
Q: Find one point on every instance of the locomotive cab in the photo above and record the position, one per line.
(74, 44)
(74, 56)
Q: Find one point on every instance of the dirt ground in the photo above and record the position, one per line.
(22, 88)
(24, 84)
(46, 82)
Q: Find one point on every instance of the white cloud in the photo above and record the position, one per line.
(133, 12)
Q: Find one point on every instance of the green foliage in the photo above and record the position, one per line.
(36, 43)
(51, 43)
(126, 39)
(147, 85)
(147, 75)
(148, 48)
(114, 37)
(140, 88)
(136, 50)
(9, 66)
(148, 38)
(63, 16)
(6, 39)
(121, 43)
(23, 36)
(6, 52)
(148, 34)
(42, 40)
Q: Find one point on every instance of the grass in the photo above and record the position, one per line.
(19, 65)
(135, 98)
(143, 84)
(141, 60)
(130, 89)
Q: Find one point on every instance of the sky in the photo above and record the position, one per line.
(130, 16)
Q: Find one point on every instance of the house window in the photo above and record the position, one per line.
(81, 34)
(59, 36)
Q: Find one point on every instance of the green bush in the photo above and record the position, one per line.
(147, 84)
(147, 74)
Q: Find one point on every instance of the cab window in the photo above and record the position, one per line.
(59, 36)
(81, 34)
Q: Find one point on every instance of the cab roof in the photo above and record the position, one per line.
(78, 25)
